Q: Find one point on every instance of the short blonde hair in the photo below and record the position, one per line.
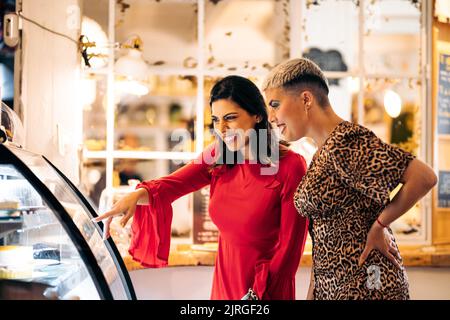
(292, 71)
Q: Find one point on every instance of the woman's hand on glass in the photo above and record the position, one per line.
(126, 206)
(380, 239)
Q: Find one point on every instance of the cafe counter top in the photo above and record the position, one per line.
(205, 255)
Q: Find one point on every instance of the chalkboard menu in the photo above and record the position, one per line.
(205, 231)
(330, 60)
(444, 189)
(443, 101)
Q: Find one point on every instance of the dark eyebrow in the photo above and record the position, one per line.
(231, 113)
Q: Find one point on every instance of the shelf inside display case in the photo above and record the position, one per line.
(61, 277)
(22, 210)
(12, 219)
(59, 280)
(11, 289)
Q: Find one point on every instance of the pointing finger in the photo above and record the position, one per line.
(106, 233)
(108, 214)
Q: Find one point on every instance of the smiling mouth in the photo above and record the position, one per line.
(282, 127)
(230, 138)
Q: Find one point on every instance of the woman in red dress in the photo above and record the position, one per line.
(261, 235)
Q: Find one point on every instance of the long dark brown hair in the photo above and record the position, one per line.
(247, 96)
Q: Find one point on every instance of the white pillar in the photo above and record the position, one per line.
(50, 82)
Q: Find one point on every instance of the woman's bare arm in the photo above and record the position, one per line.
(418, 179)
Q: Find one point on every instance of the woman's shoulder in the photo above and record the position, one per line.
(289, 155)
(352, 134)
(208, 155)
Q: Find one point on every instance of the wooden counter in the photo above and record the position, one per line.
(413, 256)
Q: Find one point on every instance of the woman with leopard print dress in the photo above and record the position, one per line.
(346, 190)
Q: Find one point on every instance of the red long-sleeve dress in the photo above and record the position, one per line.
(261, 235)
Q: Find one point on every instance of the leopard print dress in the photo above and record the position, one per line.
(346, 187)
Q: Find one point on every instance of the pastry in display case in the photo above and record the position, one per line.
(47, 238)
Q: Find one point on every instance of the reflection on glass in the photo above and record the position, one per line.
(246, 35)
(80, 216)
(162, 27)
(163, 120)
(392, 37)
(336, 49)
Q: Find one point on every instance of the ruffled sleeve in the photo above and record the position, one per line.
(369, 165)
(151, 227)
(281, 269)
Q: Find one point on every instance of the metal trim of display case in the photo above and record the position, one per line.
(110, 243)
(8, 157)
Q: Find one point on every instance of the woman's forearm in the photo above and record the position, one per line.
(404, 200)
(142, 196)
(418, 181)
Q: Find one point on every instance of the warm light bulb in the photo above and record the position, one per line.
(133, 87)
(132, 74)
(392, 103)
(132, 65)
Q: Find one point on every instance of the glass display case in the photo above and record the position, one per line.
(49, 247)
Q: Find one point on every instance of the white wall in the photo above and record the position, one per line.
(50, 78)
(194, 283)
